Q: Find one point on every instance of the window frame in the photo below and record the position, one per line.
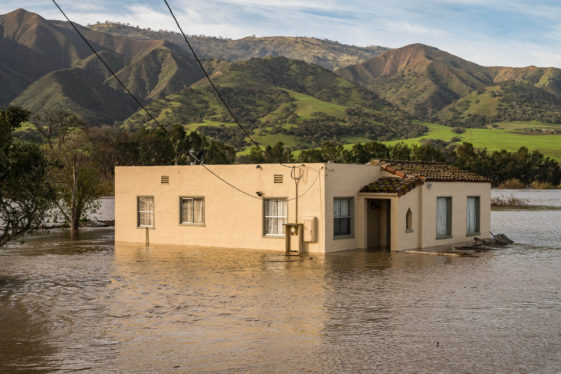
(477, 216)
(350, 234)
(138, 225)
(448, 218)
(181, 222)
(264, 217)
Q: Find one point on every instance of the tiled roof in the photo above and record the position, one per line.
(429, 171)
(392, 185)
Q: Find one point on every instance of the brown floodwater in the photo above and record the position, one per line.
(87, 305)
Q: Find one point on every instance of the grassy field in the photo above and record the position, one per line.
(306, 105)
(194, 126)
(502, 137)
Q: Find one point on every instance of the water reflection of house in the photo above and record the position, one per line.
(385, 204)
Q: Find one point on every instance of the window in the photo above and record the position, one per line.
(145, 211)
(409, 221)
(274, 213)
(192, 210)
(342, 216)
(443, 217)
(472, 215)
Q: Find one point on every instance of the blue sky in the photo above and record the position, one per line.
(500, 32)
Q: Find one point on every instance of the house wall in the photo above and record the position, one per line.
(346, 181)
(232, 219)
(411, 200)
(422, 202)
(459, 192)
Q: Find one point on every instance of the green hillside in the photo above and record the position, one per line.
(534, 135)
(507, 101)
(435, 85)
(281, 99)
(418, 78)
(45, 66)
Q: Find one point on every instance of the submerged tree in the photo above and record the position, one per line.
(25, 194)
(72, 169)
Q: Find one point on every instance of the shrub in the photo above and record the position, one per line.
(459, 130)
(512, 184)
(541, 185)
(511, 201)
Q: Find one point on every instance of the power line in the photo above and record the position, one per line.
(214, 87)
(246, 132)
(259, 197)
(105, 64)
(210, 80)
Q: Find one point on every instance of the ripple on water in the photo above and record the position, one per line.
(82, 305)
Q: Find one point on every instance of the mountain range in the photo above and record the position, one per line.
(299, 90)
(326, 53)
(430, 83)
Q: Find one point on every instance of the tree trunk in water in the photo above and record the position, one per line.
(74, 216)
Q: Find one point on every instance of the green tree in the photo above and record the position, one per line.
(25, 195)
(271, 155)
(400, 151)
(72, 170)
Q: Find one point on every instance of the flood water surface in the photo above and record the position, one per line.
(85, 305)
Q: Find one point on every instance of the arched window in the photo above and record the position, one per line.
(409, 221)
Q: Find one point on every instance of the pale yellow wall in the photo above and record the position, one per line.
(408, 240)
(422, 202)
(232, 220)
(459, 193)
(346, 181)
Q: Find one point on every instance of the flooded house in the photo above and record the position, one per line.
(312, 207)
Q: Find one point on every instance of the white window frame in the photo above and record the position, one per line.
(477, 216)
(266, 218)
(349, 217)
(139, 212)
(182, 220)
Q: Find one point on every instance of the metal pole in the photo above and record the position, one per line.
(147, 239)
(296, 220)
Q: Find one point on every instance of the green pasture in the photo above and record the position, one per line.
(494, 139)
(306, 105)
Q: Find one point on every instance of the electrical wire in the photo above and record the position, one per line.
(105, 64)
(210, 80)
(293, 167)
(259, 197)
(309, 188)
(246, 132)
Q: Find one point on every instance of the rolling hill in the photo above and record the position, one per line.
(45, 66)
(281, 88)
(326, 53)
(419, 78)
(278, 98)
(433, 84)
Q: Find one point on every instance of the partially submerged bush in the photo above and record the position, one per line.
(512, 184)
(541, 185)
(510, 201)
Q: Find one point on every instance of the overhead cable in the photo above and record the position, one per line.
(105, 64)
(218, 94)
(210, 80)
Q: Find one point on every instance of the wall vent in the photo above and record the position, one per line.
(165, 179)
(278, 178)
